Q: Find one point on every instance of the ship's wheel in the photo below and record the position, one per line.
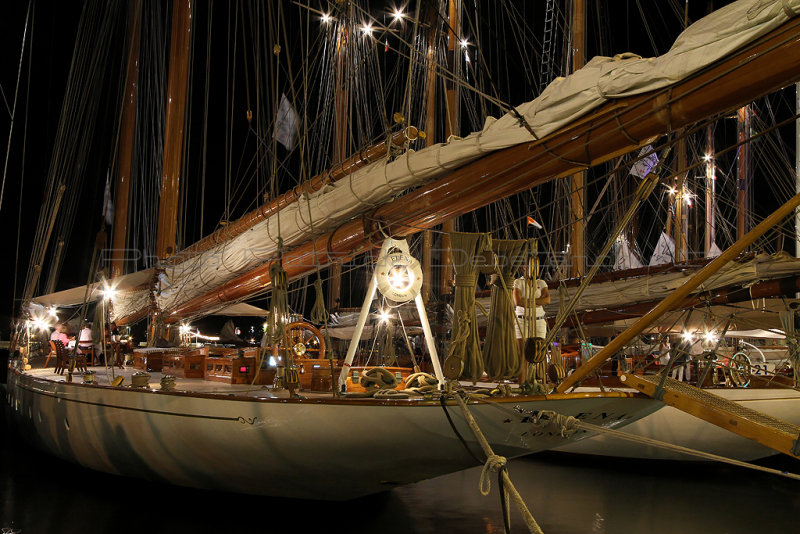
(305, 340)
(739, 367)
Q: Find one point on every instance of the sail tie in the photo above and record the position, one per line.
(500, 350)
(465, 358)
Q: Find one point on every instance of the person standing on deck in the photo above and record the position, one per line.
(529, 292)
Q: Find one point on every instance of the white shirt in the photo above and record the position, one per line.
(519, 284)
(86, 334)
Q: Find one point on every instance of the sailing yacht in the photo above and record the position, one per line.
(225, 419)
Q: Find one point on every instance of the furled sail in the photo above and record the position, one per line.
(564, 101)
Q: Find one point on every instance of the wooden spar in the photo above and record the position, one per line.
(767, 65)
(681, 207)
(451, 127)
(341, 128)
(356, 161)
(577, 198)
(128, 127)
(430, 129)
(743, 122)
(173, 129)
(676, 297)
(710, 228)
(779, 287)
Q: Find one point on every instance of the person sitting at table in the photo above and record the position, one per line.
(87, 344)
(60, 334)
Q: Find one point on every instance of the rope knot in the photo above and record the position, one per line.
(566, 425)
(494, 464)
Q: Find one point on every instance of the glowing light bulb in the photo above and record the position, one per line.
(464, 43)
(367, 29)
(398, 15)
(384, 315)
(687, 336)
(710, 337)
(400, 278)
(109, 293)
(707, 158)
(325, 18)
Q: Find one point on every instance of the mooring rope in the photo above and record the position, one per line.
(685, 450)
(496, 463)
(572, 424)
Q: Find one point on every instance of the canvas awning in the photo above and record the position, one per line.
(76, 295)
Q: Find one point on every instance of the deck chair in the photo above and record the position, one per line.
(86, 349)
(51, 354)
(62, 356)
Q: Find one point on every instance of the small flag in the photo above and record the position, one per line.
(532, 222)
(646, 161)
(286, 124)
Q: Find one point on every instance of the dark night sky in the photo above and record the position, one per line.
(54, 29)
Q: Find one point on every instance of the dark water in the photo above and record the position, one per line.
(566, 494)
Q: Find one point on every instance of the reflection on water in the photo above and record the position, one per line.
(567, 494)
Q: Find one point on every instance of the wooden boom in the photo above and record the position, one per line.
(618, 127)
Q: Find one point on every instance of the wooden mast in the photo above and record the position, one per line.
(578, 195)
(771, 63)
(451, 127)
(711, 182)
(341, 107)
(430, 129)
(173, 129)
(743, 116)
(119, 245)
(681, 207)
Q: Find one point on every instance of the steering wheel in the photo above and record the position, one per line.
(305, 340)
(740, 367)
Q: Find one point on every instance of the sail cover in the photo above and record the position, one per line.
(562, 102)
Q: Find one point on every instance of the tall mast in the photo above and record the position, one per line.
(430, 129)
(341, 112)
(451, 127)
(173, 129)
(743, 170)
(681, 207)
(126, 144)
(711, 183)
(577, 239)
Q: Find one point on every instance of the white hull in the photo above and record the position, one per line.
(679, 428)
(313, 448)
